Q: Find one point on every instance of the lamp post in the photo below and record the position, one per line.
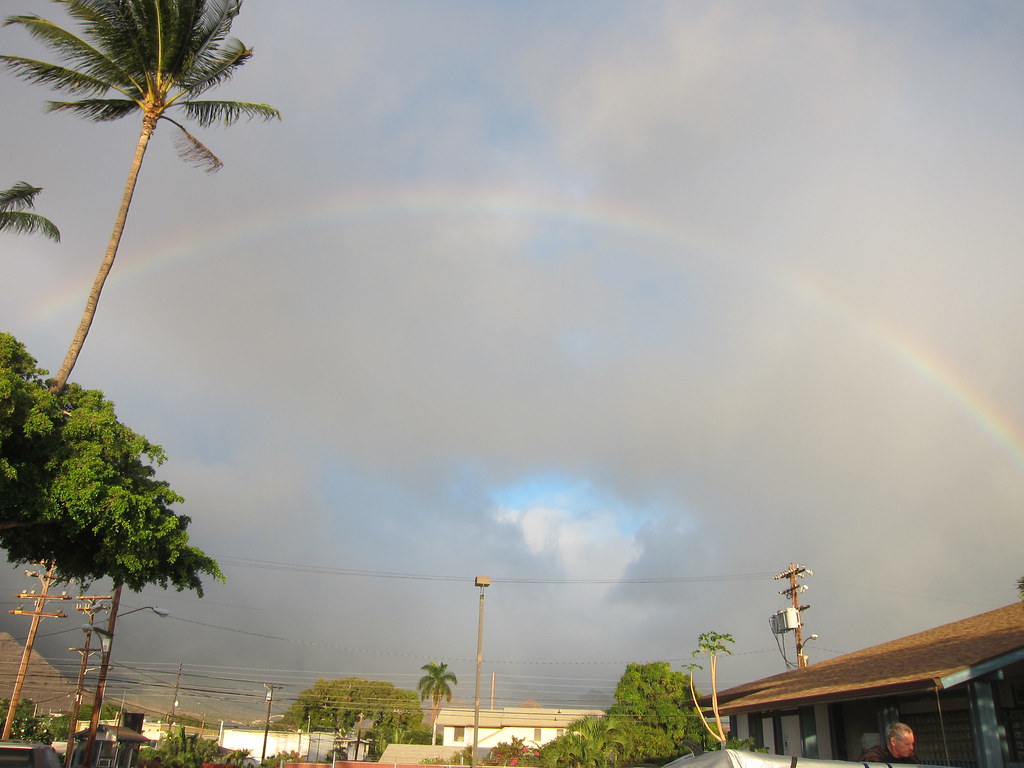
(483, 582)
(107, 642)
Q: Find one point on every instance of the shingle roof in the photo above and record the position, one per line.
(936, 658)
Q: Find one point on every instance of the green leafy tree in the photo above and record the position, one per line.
(712, 644)
(16, 214)
(436, 686)
(654, 707)
(1020, 587)
(27, 726)
(144, 57)
(402, 724)
(78, 487)
(593, 742)
(338, 705)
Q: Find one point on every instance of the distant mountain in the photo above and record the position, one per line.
(44, 685)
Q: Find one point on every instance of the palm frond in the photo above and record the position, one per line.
(97, 110)
(20, 197)
(23, 223)
(89, 63)
(211, 70)
(208, 26)
(193, 151)
(208, 113)
(54, 76)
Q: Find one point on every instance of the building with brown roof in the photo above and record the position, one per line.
(959, 686)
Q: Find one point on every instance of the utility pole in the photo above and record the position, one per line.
(795, 573)
(266, 729)
(47, 580)
(90, 605)
(483, 582)
(106, 639)
(174, 701)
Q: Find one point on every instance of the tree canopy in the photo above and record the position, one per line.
(78, 488)
(338, 705)
(654, 707)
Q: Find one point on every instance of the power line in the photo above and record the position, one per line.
(242, 562)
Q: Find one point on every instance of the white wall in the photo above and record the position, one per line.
(491, 737)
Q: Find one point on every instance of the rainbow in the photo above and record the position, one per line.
(604, 216)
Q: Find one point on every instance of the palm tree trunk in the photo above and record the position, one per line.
(148, 126)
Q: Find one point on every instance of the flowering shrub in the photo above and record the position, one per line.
(517, 753)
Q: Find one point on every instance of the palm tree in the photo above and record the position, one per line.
(15, 213)
(139, 56)
(435, 686)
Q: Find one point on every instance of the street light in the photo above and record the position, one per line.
(107, 642)
(801, 657)
(483, 582)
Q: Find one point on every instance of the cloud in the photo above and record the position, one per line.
(671, 294)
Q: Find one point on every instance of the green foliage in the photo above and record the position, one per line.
(744, 745)
(654, 709)
(180, 750)
(78, 487)
(16, 216)
(59, 725)
(276, 761)
(593, 742)
(336, 706)
(237, 756)
(398, 730)
(462, 757)
(1020, 587)
(26, 726)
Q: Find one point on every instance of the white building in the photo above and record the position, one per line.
(536, 726)
(313, 747)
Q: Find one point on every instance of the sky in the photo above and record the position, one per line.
(626, 306)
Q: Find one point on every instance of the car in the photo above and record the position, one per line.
(28, 754)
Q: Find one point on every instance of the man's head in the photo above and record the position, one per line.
(900, 740)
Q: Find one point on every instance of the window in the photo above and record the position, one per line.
(460, 734)
(536, 735)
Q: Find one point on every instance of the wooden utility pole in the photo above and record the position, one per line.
(794, 573)
(107, 638)
(90, 605)
(47, 580)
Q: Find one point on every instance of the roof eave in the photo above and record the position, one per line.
(921, 685)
